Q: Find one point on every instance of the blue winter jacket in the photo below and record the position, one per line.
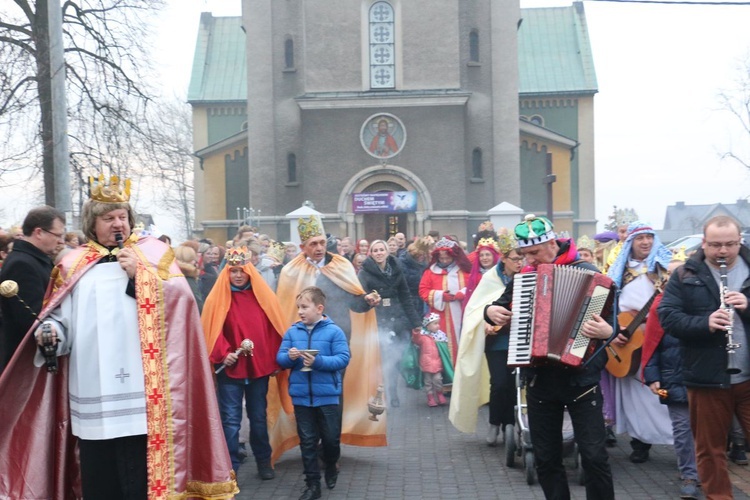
(323, 385)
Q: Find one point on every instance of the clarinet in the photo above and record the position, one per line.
(732, 367)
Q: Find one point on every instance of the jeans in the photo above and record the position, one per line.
(314, 424)
(684, 447)
(502, 389)
(547, 397)
(230, 408)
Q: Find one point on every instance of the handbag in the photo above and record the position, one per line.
(409, 367)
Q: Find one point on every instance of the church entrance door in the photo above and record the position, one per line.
(383, 226)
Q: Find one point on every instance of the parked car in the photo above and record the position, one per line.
(693, 242)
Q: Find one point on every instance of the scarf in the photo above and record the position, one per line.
(659, 255)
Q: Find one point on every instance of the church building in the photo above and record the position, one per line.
(392, 115)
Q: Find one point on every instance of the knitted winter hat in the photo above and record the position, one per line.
(533, 231)
(429, 318)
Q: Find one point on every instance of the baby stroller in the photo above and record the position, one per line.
(518, 438)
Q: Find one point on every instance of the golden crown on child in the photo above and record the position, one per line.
(237, 256)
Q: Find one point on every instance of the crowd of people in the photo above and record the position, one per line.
(275, 325)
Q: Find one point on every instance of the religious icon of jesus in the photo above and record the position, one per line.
(383, 136)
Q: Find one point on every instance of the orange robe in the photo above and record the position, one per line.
(363, 375)
(282, 429)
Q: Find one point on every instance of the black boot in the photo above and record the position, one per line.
(331, 475)
(312, 491)
(265, 471)
(640, 451)
(737, 454)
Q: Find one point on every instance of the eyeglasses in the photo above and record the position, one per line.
(515, 259)
(58, 236)
(716, 245)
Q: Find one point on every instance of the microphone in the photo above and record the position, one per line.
(118, 239)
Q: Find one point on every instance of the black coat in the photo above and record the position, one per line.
(691, 296)
(339, 302)
(208, 279)
(30, 268)
(413, 272)
(590, 375)
(395, 310)
(665, 367)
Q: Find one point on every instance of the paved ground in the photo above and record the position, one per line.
(427, 458)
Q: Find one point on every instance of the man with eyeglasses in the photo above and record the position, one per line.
(30, 265)
(691, 311)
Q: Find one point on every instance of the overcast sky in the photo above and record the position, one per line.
(659, 125)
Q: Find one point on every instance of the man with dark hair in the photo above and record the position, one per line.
(30, 265)
(705, 300)
(552, 388)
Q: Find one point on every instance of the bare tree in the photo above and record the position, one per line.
(105, 57)
(737, 102)
(166, 160)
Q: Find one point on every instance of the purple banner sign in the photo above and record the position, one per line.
(384, 202)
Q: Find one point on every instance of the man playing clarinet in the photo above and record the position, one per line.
(695, 310)
(553, 388)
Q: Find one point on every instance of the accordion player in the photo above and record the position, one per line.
(550, 307)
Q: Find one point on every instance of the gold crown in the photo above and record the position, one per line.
(237, 256)
(109, 193)
(310, 227)
(680, 255)
(486, 226)
(585, 243)
(276, 250)
(506, 243)
(488, 242)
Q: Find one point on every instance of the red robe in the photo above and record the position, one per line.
(246, 320)
(186, 451)
(434, 282)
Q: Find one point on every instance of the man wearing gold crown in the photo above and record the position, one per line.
(350, 308)
(133, 393)
(241, 306)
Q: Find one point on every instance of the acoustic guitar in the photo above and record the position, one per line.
(626, 360)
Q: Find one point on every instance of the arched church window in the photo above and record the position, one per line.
(476, 164)
(382, 46)
(288, 53)
(291, 167)
(474, 46)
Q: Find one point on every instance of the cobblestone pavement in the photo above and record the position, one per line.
(427, 458)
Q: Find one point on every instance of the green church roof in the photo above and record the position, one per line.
(554, 53)
(219, 65)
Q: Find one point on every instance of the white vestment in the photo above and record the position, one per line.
(97, 324)
(639, 412)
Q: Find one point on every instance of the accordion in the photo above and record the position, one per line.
(549, 308)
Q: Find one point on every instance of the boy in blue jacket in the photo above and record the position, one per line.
(315, 393)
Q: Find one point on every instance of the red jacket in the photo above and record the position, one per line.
(429, 357)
